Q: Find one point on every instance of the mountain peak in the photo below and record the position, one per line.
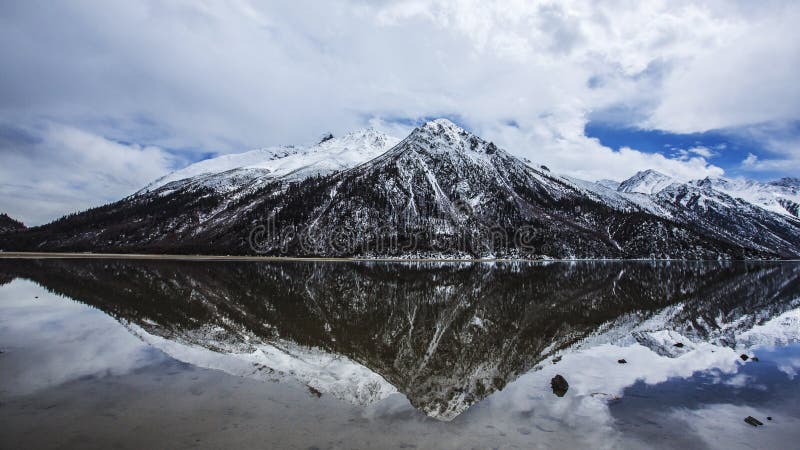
(442, 135)
(442, 122)
(367, 135)
(366, 141)
(650, 173)
(441, 126)
(646, 182)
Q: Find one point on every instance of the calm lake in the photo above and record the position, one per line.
(170, 354)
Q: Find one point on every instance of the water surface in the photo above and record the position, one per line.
(100, 353)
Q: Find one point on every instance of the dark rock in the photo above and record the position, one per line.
(753, 421)
(754, 358)
(315, 392)
(557, 359)
(769, 417)
(622, 361)
(679, 344)
(744, 357)
(559, 385)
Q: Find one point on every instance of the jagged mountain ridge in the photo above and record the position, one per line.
(761, 214)
(780, 196)
(442, 191)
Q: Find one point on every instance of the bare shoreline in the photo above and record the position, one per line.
(176, 257)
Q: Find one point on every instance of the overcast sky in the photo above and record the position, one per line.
(98, 98)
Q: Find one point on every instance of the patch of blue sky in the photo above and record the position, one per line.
(723, 148)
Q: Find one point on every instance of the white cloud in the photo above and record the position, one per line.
(774, 165)
(684, 154)
(705, 152)
(66, 170)
(747, 78)
(750, 160)
(225, 77)
(564, 148)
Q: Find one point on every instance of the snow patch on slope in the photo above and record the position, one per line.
(325, 372)
(225, 163)
(287, 162)
(774, 197)
(646, 182)
(621, 201)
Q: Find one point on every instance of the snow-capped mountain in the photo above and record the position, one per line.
(443, 187)
(441, 191)
(781, 196)
(646, 182)
(722, 215)
(762, 215)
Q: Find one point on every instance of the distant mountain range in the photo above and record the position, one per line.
(440, 192)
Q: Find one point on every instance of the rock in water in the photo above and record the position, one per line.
(753, 421)
(622, 361)
(679, 345)
(744, 357)
(559, 385)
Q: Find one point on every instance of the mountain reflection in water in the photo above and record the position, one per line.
(445, 335)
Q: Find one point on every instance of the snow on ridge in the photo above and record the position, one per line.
(610, 184)
(773, 197)
(442, 135)
(781, 197)
(622, 201)
(289, 162)
(646, 182)
(223, 163)
(331, 155)
(787, 182)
